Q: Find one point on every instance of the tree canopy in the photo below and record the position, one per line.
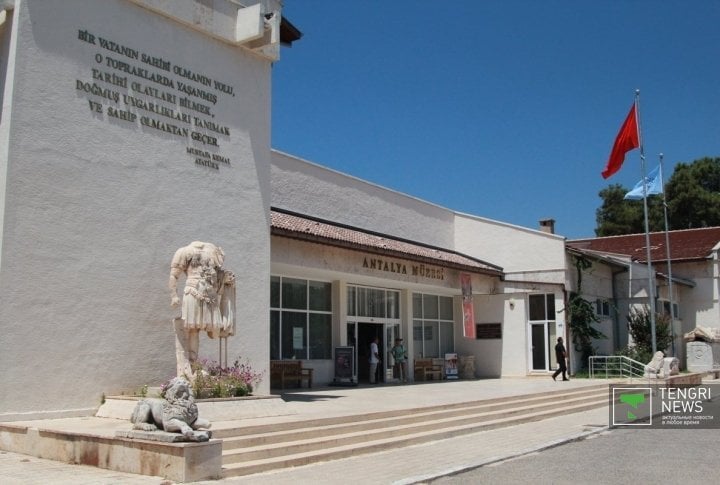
(693, 201)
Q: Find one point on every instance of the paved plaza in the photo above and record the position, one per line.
(413, 464)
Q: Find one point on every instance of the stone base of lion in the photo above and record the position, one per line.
(177, 413)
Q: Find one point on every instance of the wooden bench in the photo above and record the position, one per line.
(425, 369)
(438, 369)
(282, 371)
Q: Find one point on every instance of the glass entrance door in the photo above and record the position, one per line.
(352, 342)
(392, 331)
(372, 313)
(541, 329)
(539, 344)
(542, 351)
(366, 334)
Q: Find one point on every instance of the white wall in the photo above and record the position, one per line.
(311, 189)
(699, 305)
(96, 206)
(487, 353)
(535, 258)
(515, 336)
(597, 283)
(524, 254)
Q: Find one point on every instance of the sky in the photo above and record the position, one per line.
(504, 109)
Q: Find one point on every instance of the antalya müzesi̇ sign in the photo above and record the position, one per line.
(399, 267)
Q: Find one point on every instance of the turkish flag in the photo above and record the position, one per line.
(625, 141)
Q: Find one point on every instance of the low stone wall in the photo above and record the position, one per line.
(692, 379)
(180, 462)
(109, 443)
(219, 409)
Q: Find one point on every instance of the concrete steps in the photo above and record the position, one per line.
(262, 448)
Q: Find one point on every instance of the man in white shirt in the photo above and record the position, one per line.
(374, 360)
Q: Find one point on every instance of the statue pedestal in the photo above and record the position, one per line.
(160, 436)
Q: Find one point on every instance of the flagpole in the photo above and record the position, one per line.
(651, 286)
(669, 264)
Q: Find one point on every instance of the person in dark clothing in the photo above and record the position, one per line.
(560, 355)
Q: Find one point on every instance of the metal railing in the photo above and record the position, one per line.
(614, 366)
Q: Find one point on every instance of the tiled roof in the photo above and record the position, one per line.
(299, 226)
(685, 245)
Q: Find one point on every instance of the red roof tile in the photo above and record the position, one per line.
(299, 226)
(685, 245)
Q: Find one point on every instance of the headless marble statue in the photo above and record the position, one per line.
(208, 302)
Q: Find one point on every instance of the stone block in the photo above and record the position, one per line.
(180, 462)
(699, 356)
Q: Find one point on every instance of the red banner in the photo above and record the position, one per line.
(467, 305)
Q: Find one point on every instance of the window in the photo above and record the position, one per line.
(433, 325)
(300, 319)
(486, 331)
(666, 308)
(542, 331)
(542, 307)
(373, 302)
(602, 308)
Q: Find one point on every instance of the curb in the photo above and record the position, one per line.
(497, 459)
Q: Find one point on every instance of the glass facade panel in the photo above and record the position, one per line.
(447, 338)
(431, 339)
(320, 336)
(537, 335)
(446, 308)
(550, 306)
(351, 294)
(300, 319)
(371, 302)
(320, 296)
(552, 341)
(294, 335)
(393, 304)
(294, 293)
(537, 307)
(417, 338)
(430, 306)
(274, 292)
(433, 325)
(274, 335)
(377, 303)
(417, 305)
(362, 302)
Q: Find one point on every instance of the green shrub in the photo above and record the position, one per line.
(639, 327)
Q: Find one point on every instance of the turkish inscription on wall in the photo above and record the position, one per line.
(154, 93)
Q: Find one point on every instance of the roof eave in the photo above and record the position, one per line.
(275, 231)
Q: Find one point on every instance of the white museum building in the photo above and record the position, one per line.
(377, 263)
(124, 140)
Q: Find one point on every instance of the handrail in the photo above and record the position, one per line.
(613, 366)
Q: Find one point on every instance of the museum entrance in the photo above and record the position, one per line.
(366, 334)
(372, 312)
(542, 333)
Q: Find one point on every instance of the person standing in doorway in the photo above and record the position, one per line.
(560, 355)
(399, 354)
(374, 360)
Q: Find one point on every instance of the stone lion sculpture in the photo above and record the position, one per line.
(177, 413)
(655, 366)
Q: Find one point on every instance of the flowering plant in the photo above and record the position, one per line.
(212, 380)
